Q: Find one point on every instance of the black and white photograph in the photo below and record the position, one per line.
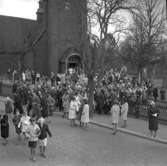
(83, 82)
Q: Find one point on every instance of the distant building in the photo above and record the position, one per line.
(49, 44)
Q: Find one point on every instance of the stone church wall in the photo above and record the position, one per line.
(14, 33)
(64, 29)
(15, 36)
(63, 22)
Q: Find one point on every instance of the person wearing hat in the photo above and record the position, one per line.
(153, 114)
(115, 111)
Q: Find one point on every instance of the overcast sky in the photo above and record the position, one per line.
(19, 8)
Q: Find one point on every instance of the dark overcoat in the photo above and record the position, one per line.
(4, 128)
(153, 119)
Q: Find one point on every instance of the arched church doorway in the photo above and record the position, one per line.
(70, 60)
(73, 63)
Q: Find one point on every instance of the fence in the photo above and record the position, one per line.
(142, 111)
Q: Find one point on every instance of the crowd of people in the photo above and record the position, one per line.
(34, 101)
(120, 93)
(36, 97)
(29, 128)
(118, 85)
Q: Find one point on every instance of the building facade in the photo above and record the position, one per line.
(49, 44)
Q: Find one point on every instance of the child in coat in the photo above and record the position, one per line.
(33, 132)
(4, 129)
(24, 123)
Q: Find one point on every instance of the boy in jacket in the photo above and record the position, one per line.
(43, 136)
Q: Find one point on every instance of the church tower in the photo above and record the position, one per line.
(66, 23)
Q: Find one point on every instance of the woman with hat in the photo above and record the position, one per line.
(115, 111)
(153, 114)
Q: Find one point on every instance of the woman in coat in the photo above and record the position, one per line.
(66, 104)
(115, 111)
(51, 104)
(44, 110)
(4, 129)
(153, 115)
(9, 105)
(72, 111)
(124, 112)
(85, 113)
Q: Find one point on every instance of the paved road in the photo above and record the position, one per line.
(136, 125)
(86, 147)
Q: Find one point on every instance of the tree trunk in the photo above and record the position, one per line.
(91, 94)
(139, 74)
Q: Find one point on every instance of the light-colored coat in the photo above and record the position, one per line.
(72, 110)
(24, 123)
(85, 114)
(115, 111)
(124, 111)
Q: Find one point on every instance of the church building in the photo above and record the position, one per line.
(52, 43)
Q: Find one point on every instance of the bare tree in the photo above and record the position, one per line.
(100, 14)
(146, 33)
